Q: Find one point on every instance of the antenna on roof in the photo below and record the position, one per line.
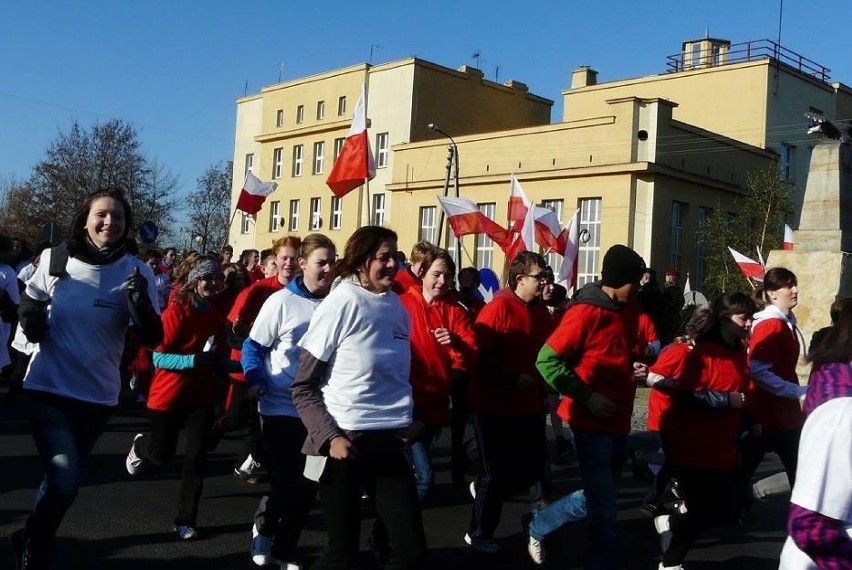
(475, 56)
(372, 47)
(707, 33)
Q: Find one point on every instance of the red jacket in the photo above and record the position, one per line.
(669, 365)
(509, 334)
(773, 342)
(706, 438)
(431, 362)
(245, 310)
(185, 331)
(404, 280)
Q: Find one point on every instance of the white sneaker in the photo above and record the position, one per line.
(247, 471)
(536, 550)
(133, 462)
(261, 550)
(678, 567)
(472, 489)
(663, 527)
(484, 545)
(185, 532)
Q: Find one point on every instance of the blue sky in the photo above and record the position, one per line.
(174, 68)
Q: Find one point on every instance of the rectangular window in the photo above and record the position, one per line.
(428, 225)
(716, 54)
(554, 258)
(294, 216)
(279, 118)
(300, 114)
(341, 105)
(696, 54)
(338, 147)
(701, 250)
(316, 213)
(298, 156)
(785, 162)
(377, 214)
(589, 252)
(320, 110)
(249, 164)
(277, 162)
(319, 156)
(676, 240)
(381, 150)
(484, 254)
(274, 216)
(336, 212)
(245, 223)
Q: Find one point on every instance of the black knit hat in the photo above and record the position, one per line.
(621, 265)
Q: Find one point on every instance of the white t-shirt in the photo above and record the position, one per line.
(9, 283)
(281, 322)
(80, 356)
(824, 474)
(364, 338)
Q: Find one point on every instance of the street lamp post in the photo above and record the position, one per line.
(452, 164)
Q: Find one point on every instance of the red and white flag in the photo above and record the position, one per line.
(518, 205)
(254, 193)
(750, 268)
(788, 238)
(568, 271)
(465, 218)
(355, 164)
(525, 241)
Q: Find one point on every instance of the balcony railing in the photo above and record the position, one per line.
(749, 51)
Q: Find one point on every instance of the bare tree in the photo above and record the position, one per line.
(209, 206)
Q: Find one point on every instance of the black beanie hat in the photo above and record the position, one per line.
(621, 265)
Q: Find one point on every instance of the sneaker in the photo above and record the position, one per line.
(133, 461)
(472, 489)
(536, 550)
(247, 471)
(186, 532)
(261, 549)
(678, 567)
(380, 550)
(484, 545)
(663, 526)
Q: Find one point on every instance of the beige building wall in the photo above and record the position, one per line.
(249, 121)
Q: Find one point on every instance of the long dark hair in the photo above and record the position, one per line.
(776, 278)
(837, 344)
(722, 309)
(361, 247)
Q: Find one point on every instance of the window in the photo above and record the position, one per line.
(245, 223)
(484, 254)
(381, 150)
(316, 213)
(696, 54)
(676, 242)
(319, 158)
(785, 162)
(589, 252)
(697, 283)
(716, 54)
(298, 155)
(336, 212)
(320, 110)
(428, 225)
(279, 118)
(338, 147)
(341, 105)
(294, 215)
(274, 216)
(249, 163)
(277, 162)
(377, 215)
(300, 114)
(554, 258)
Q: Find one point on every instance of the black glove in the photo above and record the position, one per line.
(32, 315)
(142, 313)
(137, 287)
(205, 359)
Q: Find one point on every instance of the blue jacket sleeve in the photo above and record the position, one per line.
(254, 363)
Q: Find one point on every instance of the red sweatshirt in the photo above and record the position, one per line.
(247, 306)
(669, 365)
(431, 362)
(185, 331)
(509, 334)
(404, 280)
(773, 342)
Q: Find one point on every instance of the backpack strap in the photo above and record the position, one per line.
(58, 259)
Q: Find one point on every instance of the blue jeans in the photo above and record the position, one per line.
(571, 507)
(418, 457)
(65, 431)
(601, 457)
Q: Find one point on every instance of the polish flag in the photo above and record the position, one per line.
(788, 238)
(750, 268)
(526, 239)
(568, 271)
(254, 193)
(548, 231)
(518, 205)
(355, 164)
(466, 218)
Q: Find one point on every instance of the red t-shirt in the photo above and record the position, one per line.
(772, 341)
(247, 306)
(669, 365)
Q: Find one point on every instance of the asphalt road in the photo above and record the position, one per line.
(119, 522)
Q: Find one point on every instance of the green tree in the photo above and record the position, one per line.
(753, 220)
(209, 206)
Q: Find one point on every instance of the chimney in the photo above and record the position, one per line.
(583, 76)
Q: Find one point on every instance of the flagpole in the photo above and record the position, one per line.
(231, 223)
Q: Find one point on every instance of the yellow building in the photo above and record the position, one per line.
(644, 160)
